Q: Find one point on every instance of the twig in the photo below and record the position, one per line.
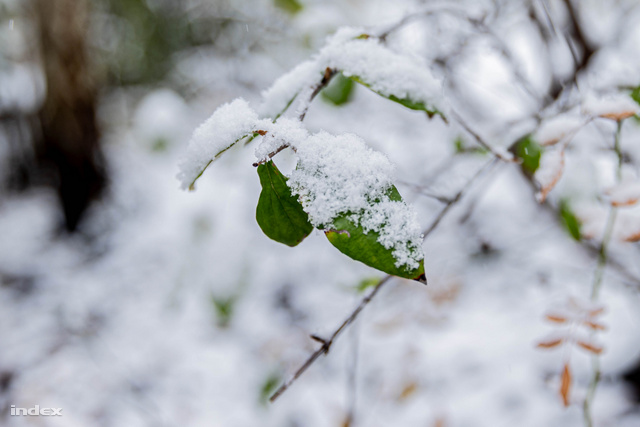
(488, 166)
(270, 155)
(326, 344)
(597, 284)
(328, 75)
(478, 138)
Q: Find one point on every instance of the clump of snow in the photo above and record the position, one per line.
(384, 71)
(284, 132)
(549, 172)
(616, 107)
(338, 175)
(287, 87)
(228, 123)
(558, 128)
(399, 230)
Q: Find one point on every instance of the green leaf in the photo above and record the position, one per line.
(529, 152)
(351, 240)
(339, 90)
(223, 308)
(635, 94)
(291, 6)
(405, 101)
(268, 387)
(279, 213)
(571, 222)
(367, 283)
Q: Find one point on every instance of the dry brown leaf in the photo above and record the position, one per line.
(623, 203)
(408, 390)
(595, 325)
(439, 422)
(565, 385)
(549, 172)
(596, 311)
(550, 343)
(556, 318)
(590, 347)
(619, 115)
(633, 237)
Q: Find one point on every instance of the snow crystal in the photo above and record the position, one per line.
(549, 172)
(558, 128)
(228, 123)
(386, 72)
(340, 174)
(617, 107)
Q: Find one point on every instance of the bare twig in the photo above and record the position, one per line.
(328, 75)
(597, 284)
(484, 169)
(270, 155)
(478, 138)
(326, 344)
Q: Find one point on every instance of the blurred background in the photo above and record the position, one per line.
(128, 302)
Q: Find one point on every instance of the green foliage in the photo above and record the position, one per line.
(351, 240)
(268, 387)
(279, 213)
(459, 147)
(339, 91)
(529, 152)
(569, 219)
(406, 102)
(223, 308)
(290, 6)
(367, 283)
(635, 94)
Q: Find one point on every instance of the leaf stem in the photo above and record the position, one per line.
(597, 285)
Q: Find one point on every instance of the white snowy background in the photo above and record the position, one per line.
(121, 329)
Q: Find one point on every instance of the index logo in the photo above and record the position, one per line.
(36, 411)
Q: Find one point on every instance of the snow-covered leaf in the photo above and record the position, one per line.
(590, 346)
(557, 129)
(550, 343)
(626, 193)
(400, 78)
(617, 106)
(549, 172)
(365, 246)
(229, 124)
(279, 213)
(346, 188)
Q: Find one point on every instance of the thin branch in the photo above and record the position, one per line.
(270, 155)
(479, 139)
(328, 75)
(484, 169)
(326, 344)
(597, 284)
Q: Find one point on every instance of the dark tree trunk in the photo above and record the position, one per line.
(68, 143)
